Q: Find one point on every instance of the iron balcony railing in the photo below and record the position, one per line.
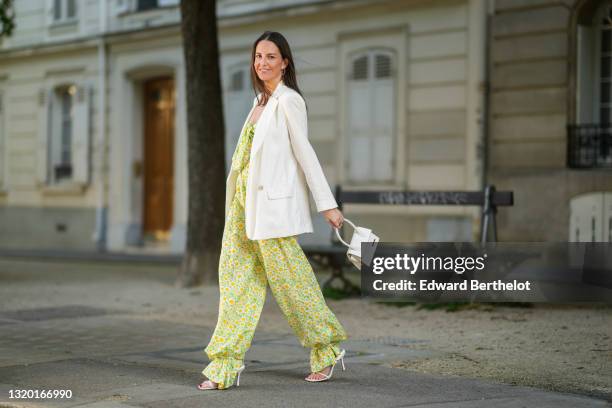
(589, 146)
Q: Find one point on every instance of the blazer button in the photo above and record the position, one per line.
(260, 188)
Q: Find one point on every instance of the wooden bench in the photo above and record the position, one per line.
(333, 255)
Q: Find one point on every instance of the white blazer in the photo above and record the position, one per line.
(281, 165)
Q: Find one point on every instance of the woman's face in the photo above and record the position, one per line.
(268, 63)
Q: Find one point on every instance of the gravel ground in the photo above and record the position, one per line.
(550, 347)
(560, 348)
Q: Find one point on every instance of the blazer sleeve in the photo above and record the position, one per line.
(295, 114)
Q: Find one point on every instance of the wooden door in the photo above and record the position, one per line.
(159, 102)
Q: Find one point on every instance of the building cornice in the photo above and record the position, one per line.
(254, 14)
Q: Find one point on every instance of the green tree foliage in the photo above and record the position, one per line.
(7, 18)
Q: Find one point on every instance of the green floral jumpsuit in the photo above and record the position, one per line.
(245, 266)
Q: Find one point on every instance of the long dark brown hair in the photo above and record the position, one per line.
(288, 78)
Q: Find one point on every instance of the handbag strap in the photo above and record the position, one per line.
(338, 233)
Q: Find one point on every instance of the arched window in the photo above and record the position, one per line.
(371, 105)
(590, 138)
(238, 102)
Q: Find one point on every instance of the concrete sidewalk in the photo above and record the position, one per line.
(109, 353)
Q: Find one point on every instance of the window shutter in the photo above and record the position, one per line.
(360, 68)
(358, 160)
(371, 106)
(359, 149)
(81, 135)
(44, 116)
(382, 121)
(383, 66)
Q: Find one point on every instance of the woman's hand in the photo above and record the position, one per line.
(334, 217)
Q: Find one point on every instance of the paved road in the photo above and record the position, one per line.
(115, 356)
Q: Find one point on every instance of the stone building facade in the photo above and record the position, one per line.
(549, 135)
(402, 94)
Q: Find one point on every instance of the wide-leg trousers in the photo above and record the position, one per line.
(245, 267)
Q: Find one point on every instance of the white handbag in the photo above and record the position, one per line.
(360, 234)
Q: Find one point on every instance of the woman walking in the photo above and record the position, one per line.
(266, 207)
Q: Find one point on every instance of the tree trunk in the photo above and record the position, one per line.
(205, 135)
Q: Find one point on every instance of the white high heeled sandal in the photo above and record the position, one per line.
(331, 372)
(216, 387)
